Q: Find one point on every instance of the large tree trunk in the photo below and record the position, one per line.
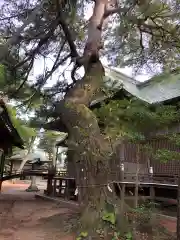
(91, 149)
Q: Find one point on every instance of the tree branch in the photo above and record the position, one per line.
(31, 65)
(42, 41)
(26, 78)
(29, 100)
(141, 40)
(68, 36)
(17, 15)
(118, 10)
(67, 32)
(112, 11)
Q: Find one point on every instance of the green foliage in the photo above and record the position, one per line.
(27, 98)
(128, 236)
(144, 208)
(164, 155)
(132, 119)
(116, 236)
(146, 44)
(82, 235)
(109, 217)
(24, 131)
(174, 138)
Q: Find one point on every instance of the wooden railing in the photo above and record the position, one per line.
(126, 177)
(27, 172)
(63, 186)
(143, 178)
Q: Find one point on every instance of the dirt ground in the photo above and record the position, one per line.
(23, 217)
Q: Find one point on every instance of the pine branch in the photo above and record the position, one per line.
(29, 100)
(67, 32)
(69, 36)
(42, 42)
(17, 35)
(24, 81)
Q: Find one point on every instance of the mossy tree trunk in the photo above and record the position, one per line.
(90, 147)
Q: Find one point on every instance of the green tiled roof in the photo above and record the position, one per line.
(156, 90)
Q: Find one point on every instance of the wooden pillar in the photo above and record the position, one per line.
(121, 161)
(152, 190)
(66, 191)
(122, 153)
(11, 170)
(60, 187)
(71, 166)
(11, 167)
(123, 188)
(50, 181)
(49, 186)
(122, 184)
(84, 182)
(54, 187)
(79, 183)
(55, 163)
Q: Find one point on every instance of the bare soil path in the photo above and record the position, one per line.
(23, 217)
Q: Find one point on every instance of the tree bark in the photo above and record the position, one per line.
(90, 147)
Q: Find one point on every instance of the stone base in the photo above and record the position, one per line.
(32, 188)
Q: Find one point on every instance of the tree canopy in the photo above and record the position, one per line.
(128, 118)
(55, 32)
